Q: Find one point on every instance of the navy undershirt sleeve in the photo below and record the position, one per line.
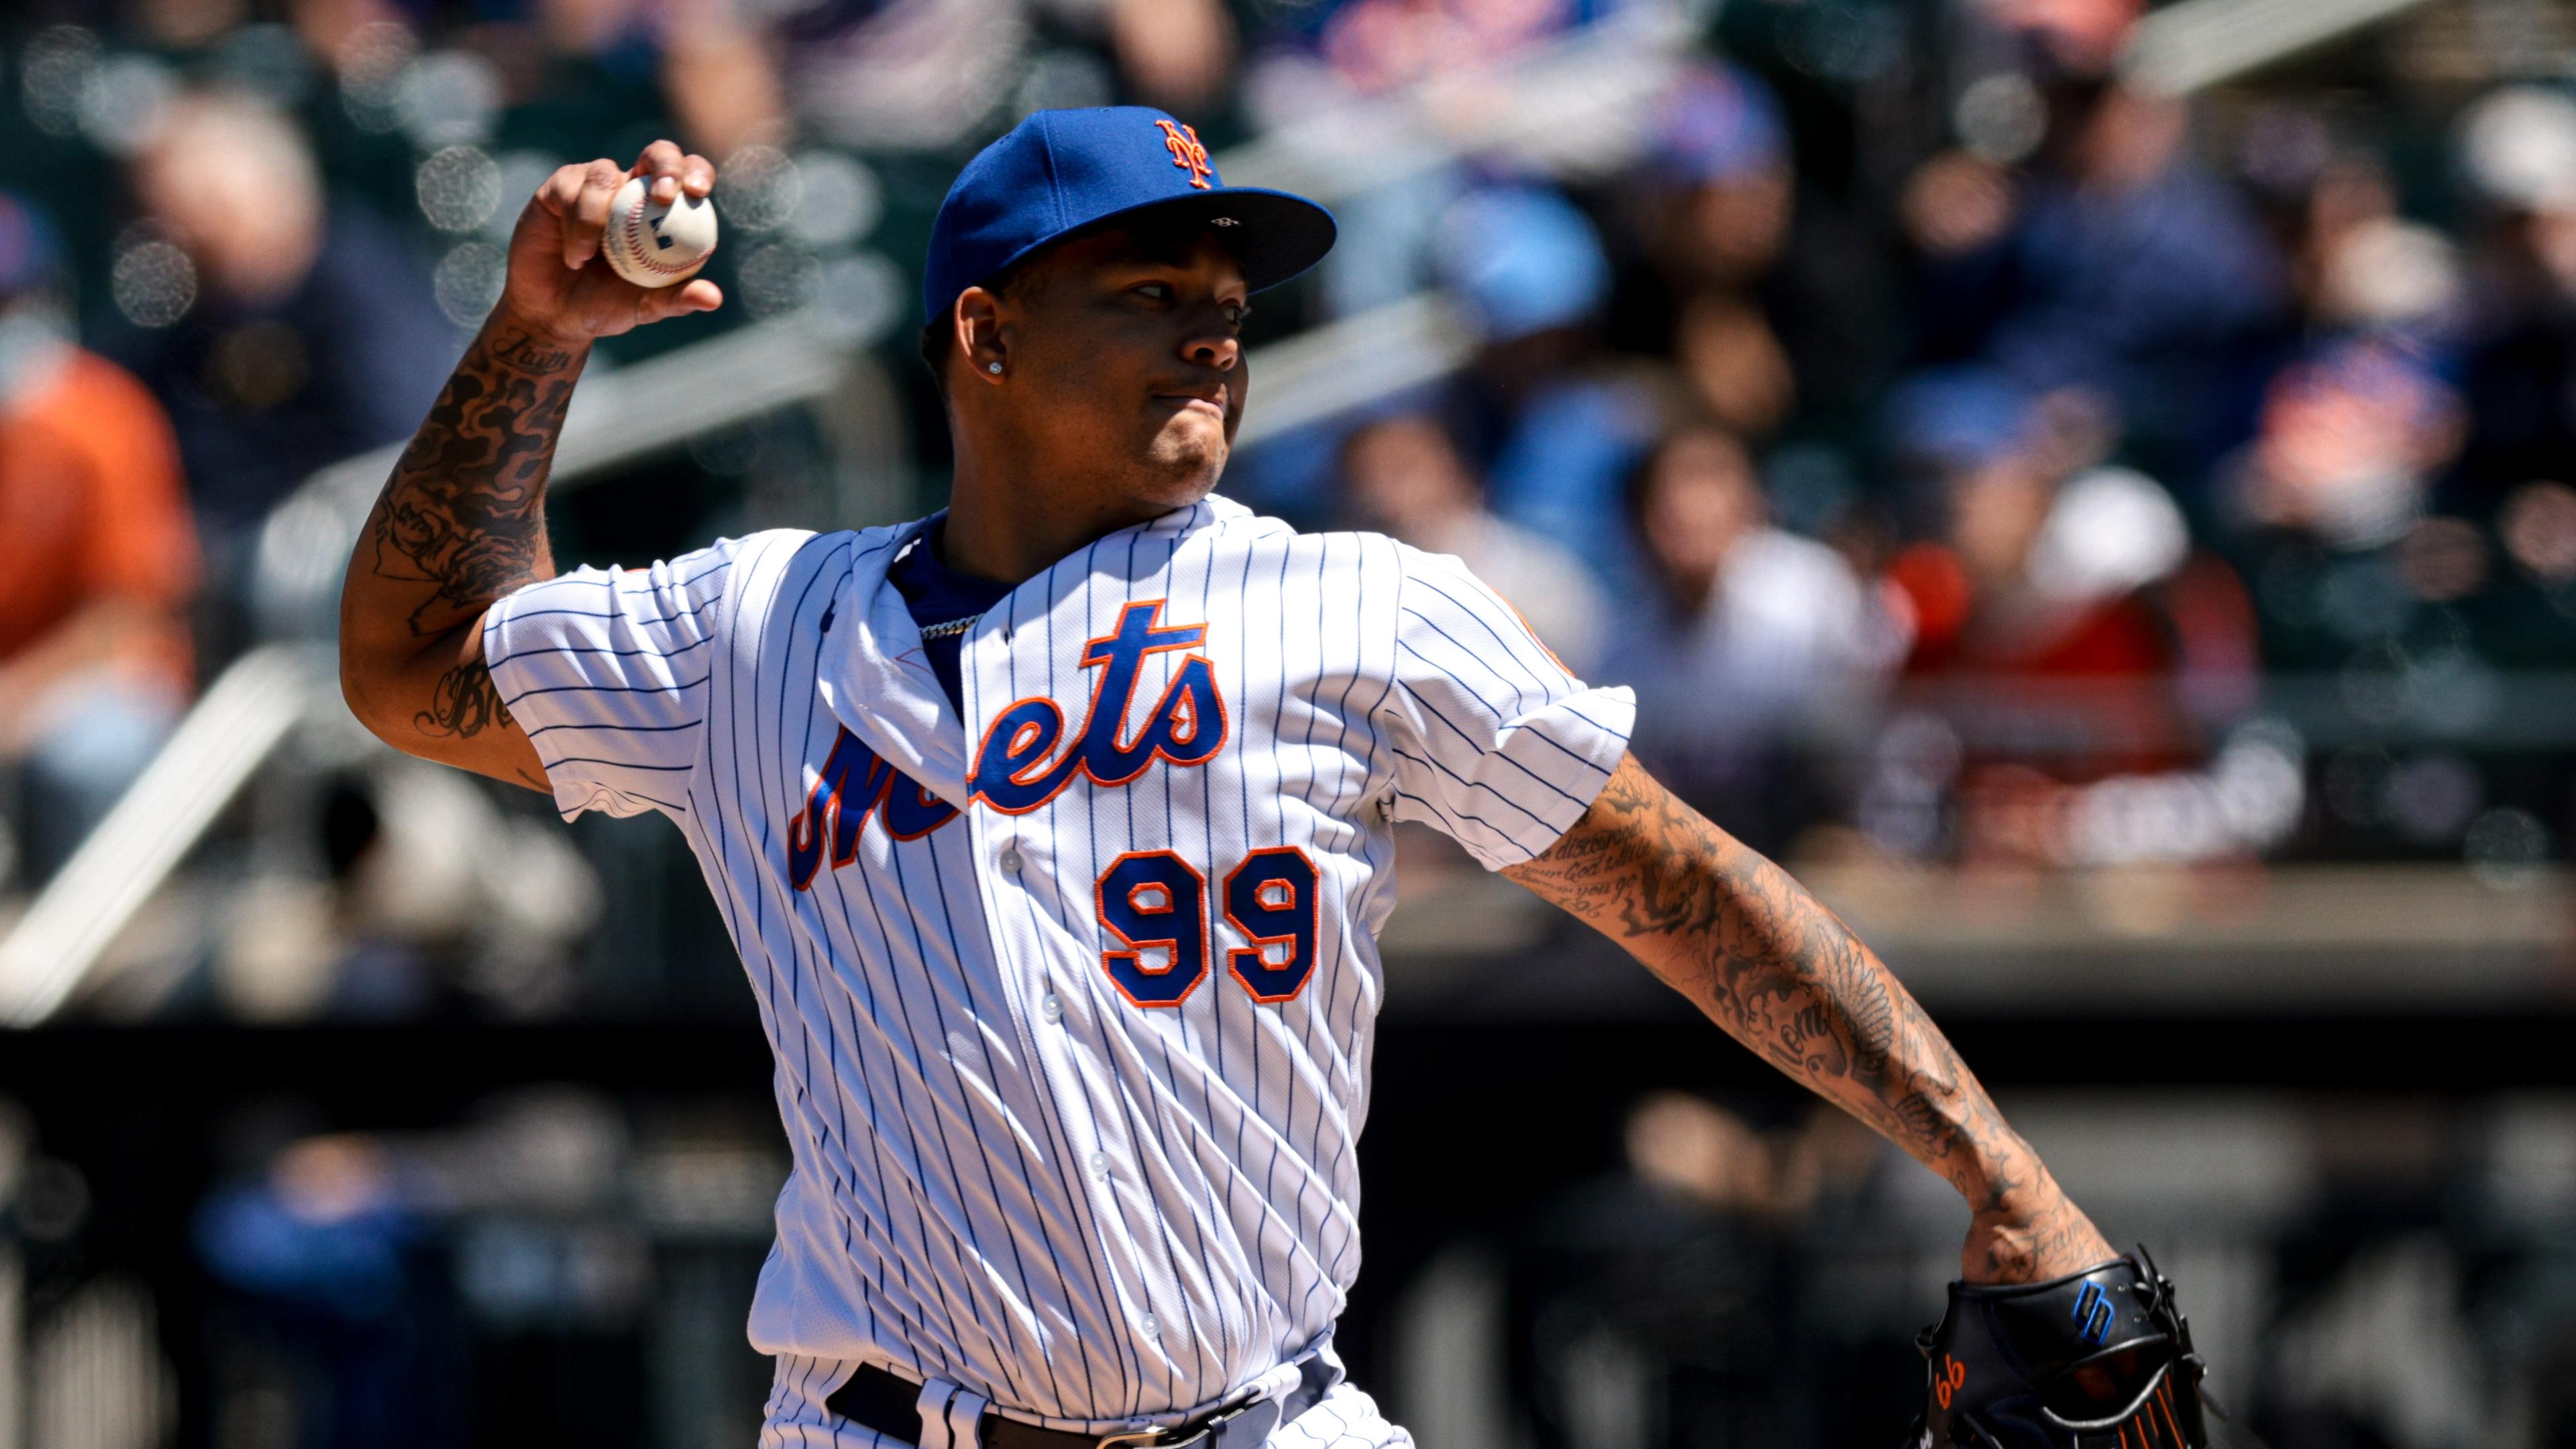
(937, 594)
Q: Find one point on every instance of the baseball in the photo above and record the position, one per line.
(653, 245)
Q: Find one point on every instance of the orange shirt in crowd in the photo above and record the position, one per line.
(92, 507)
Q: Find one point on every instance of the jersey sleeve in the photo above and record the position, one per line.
(1496, 743)
(607, 672)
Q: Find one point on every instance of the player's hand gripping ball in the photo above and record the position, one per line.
(653, 243)
(560, 297)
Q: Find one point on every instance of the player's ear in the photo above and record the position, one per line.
(978, 319)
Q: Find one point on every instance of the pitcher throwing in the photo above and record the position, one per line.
(1053, 829)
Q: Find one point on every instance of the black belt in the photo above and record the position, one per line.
(890, 1404)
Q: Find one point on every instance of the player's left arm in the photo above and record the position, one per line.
(1730, 930)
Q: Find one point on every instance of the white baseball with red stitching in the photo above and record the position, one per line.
(653, 245)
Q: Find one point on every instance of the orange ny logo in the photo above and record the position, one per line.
(1187, 153)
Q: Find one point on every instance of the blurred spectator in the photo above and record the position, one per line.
(1320, 64)
(2391, 276)
(2114, 263)
(585, 76)
(1770, 302)
(2077, 645)
(1757, 641)
(97, 558)
(1659, 1305)
(337, 30)
(313, 334)
(2326, 499)
(2356, 266)
(929, 74)
(2349, 444)
(436, 902)
(2518, 148)
(2540, 533)
(1564, 425)
(905, 74)
(718, 77)
(353, 1262)
(1405, 477)
(1177, 54)
(1322, 52)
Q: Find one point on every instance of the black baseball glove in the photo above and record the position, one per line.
(2101, 1359)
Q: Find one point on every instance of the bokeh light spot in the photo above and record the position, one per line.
(154, 283)
(459, 188)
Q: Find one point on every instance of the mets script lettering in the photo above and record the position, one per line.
(1018, 768)
(854, 784)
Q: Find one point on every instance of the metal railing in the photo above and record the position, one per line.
(2196, 44)
(1354, 362)
(251, 707)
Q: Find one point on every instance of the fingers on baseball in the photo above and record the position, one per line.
(585, 209)
(673, 171)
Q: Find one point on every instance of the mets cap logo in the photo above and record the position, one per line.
(1183, 142)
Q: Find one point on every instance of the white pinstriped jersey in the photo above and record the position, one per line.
(1072, 1001)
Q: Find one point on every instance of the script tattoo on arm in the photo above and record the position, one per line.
(463, 702)
(1746, 944)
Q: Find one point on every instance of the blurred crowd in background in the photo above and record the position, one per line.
(1969, 453)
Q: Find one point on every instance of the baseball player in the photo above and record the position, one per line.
(1053, 829)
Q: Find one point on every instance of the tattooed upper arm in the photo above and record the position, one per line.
(465, 722)
(460, 524)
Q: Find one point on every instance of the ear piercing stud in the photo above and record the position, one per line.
(993, 367)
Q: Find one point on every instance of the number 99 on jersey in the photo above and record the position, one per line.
(1154, 906)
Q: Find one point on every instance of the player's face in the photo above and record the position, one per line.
(1129, 362)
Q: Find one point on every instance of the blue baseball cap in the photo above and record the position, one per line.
(1525, 260)
(1062, 172)
(1962, 416)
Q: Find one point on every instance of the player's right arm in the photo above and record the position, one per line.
(461, 523)
(1782, 974)
(1497, 744)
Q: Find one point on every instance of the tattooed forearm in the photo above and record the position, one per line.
(1782, 974)
(463, 517)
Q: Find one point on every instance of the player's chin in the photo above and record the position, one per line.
(1187, 455)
